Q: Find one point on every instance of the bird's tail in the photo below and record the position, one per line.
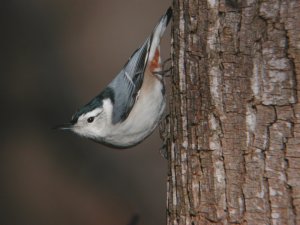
(158, 33)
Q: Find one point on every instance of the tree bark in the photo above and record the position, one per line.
(233, 131)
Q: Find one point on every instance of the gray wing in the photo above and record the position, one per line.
(128, 82)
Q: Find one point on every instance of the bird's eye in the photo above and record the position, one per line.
(90, 119)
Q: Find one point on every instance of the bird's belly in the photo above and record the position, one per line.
(142, 120)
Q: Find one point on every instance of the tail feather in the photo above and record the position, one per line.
(158, 33)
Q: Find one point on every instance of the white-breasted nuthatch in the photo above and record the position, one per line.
(131, 106)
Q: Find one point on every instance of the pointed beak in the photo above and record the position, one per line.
(67, 126)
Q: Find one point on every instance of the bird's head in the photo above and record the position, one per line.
(92, 120)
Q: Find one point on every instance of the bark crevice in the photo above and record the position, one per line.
(234, 131)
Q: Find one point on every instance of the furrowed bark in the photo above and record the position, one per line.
(233, 131)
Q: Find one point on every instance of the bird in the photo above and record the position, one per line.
(131, 106)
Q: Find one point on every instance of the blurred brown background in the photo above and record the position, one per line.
(55, 56)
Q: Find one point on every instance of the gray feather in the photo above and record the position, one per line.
(128, 82)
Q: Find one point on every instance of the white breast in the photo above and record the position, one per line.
(144, 116)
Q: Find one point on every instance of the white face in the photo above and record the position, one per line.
(94, 123)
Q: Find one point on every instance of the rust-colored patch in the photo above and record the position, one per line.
(154, 64)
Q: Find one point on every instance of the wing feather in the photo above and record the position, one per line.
(128, 82)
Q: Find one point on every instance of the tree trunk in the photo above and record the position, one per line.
(233, 133)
